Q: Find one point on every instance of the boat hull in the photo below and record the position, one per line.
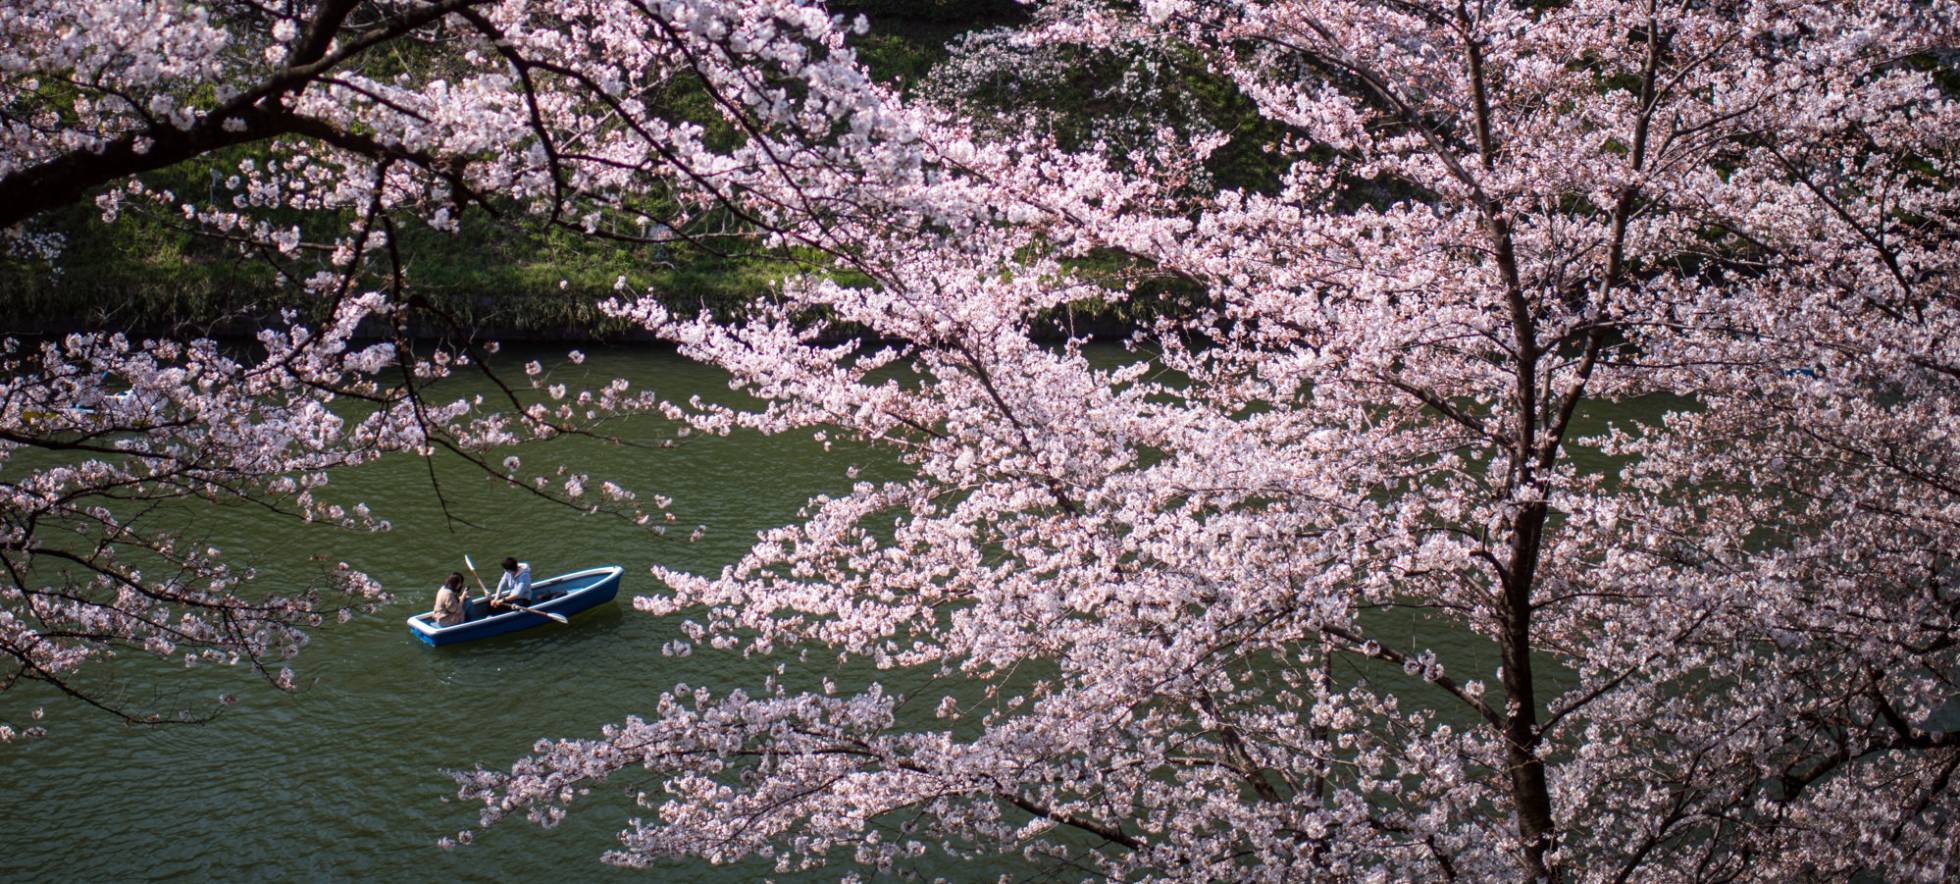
(582, 590)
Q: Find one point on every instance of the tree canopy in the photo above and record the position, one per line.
(1160, 596)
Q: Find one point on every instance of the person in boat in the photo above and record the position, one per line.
(515, 585)
(452, 601)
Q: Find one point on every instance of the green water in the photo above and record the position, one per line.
(344, 779)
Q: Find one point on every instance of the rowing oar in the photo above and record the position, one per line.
(496, 604)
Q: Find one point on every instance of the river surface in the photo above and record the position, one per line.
(344, 779)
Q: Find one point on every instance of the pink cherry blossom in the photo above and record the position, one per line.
(1172, 595)
(1160, 608)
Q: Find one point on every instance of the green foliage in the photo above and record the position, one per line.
(895, 59)
(513, 276)
(964, 13)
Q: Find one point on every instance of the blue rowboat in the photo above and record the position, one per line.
(580, 590)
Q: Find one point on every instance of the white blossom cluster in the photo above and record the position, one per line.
(1160, 601)
(1163, 605)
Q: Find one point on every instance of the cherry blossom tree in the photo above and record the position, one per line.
(1156, 617)
(337, 123)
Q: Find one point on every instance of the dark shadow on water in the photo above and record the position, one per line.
(586, 626)
(597, 633)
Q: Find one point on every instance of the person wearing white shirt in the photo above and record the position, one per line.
(515, 585)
